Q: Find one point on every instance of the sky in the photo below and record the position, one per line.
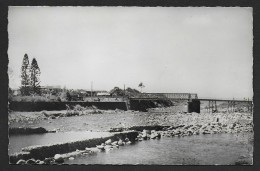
(208, 51)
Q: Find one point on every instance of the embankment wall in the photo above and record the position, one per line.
(144, 104)
(50, 106)
(42, 152)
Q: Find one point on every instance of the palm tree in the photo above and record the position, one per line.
(141, 85)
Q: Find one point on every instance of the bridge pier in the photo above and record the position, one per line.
(212, 106)
(194, 106)
(250, 106)
(231, 106)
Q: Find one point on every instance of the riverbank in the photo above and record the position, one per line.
(166, 122)
(103, 120)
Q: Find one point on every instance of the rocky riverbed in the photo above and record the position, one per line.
(101, 120)
(154, 124)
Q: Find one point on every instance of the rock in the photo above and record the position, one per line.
(38, 161)
(144, 135)
(153, 136)
(47, 160)
(120, 143)
(108, 146)
(108, 142)
(128, 142)
(101, 147)
(146, 131)
(31, 161)
(41, 162)
(88, 149)
(114, 143)
(21, 161)
(205, 132)
(58, 158)
(159, 136)
(114, 146)
(71, 158)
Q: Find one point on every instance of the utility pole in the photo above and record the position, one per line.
(124, 93)
(91, 89)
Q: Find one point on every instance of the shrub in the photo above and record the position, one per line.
(79, 107)
(30, 99)
(59, 99)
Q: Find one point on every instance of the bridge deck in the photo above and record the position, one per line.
(219, 100)
(225, 100)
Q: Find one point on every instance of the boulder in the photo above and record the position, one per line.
(101, 147)
(21, 162)
(120, 143)
(38, 161)
(144, 136)
(128, 142)
(58, 158)
(31, 161)
(108, 146)
(153, 136)
(41, 162)
(47, 160)
(114, 143)
(108, 142)
(146, 131)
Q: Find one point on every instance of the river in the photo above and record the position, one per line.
(214, 149)
(220, 149)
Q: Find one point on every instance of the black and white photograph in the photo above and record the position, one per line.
(121, 85)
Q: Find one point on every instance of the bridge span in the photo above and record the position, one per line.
(194, 102)
(173, 96)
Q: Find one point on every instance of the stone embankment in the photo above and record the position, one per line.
(36, 130)
(46, 154)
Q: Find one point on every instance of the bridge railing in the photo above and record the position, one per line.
(183, 96)
(225, 99)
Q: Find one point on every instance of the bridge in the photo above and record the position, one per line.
(212, 104)
(194, 101)
(171, 96)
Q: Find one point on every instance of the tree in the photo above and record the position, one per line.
(10, 94)
(68, 96)
(132, 92)
(25, 75)
(141, 85)
(116, 91)
(35, 77)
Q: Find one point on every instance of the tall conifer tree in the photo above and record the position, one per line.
(35, 77)
(25, 75)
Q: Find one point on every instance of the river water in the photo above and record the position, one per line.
(222, 149)
(17, 142)
(216, 149)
